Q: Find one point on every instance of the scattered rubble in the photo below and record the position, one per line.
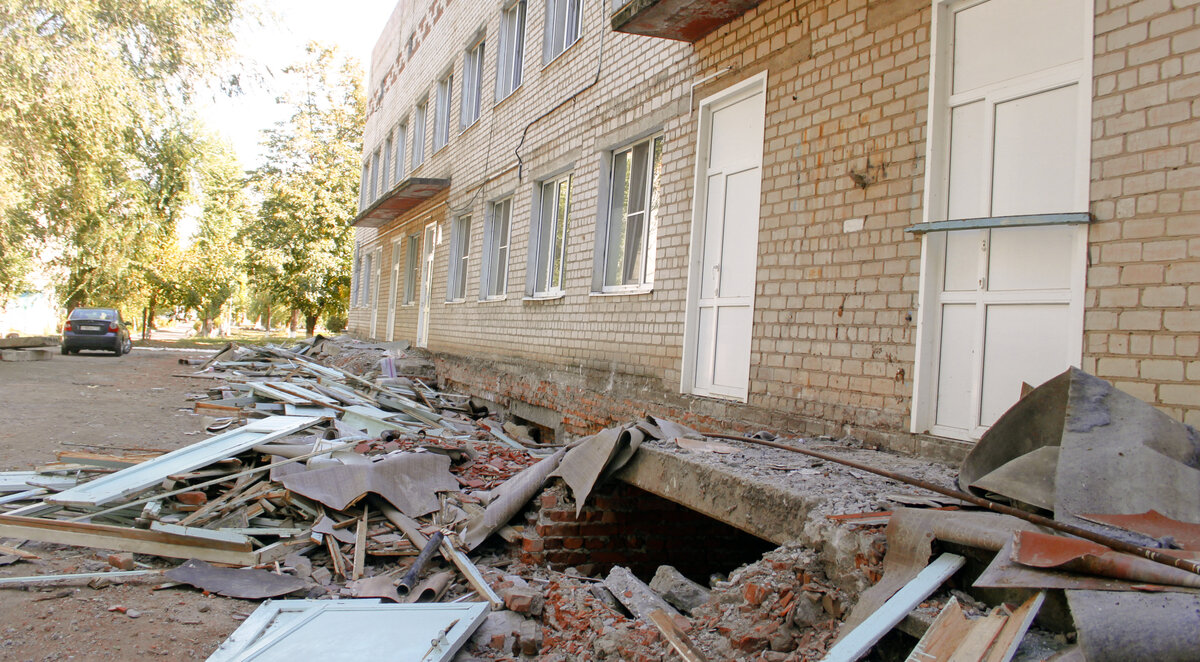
(339, 474)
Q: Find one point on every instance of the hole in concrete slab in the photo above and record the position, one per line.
(623, 525)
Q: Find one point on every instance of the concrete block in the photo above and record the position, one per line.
(678, 590)
(30, 354)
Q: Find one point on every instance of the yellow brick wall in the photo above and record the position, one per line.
(835, 305)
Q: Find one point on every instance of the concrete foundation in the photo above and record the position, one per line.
(28, 354)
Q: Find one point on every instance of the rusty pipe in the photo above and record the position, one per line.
(409, 580)
(1107, 541)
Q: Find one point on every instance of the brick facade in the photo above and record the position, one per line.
(837, 276)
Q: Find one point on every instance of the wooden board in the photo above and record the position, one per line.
(140, 541)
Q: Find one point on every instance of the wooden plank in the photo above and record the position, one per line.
(474, 578)
(676, 637)
(196, 532)
(983, 632)
(5, 550)
(45, 579)
(360, 545)
(147, 474)
(871, 630)
(140, 541)
(1009, 639)
(943, 636)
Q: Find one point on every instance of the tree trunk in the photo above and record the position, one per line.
(146, 322)
(295, 321)
(149, 325)
(267, 317)
(310, 325)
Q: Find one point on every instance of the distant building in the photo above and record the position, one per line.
(826, 216)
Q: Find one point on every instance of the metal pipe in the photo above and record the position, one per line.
(1107, 541)
(409, 580)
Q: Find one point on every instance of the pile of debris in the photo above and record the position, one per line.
(340, 473)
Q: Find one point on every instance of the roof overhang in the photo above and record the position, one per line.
(681, 20)
(402, 197)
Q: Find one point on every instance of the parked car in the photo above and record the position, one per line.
(96, 328)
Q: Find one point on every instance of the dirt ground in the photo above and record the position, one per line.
(66, 404)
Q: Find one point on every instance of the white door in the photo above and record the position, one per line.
(426, 287)
(375, 280)
(393, 292)
(1010, 137)
(725, 242)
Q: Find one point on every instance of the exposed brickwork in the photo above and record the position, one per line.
(626, 526)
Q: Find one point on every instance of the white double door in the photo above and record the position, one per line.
(725, 243)
(1009, 132)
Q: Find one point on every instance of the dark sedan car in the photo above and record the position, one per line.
(96, 328)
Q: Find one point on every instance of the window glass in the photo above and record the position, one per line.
(511, 56)
(552, 235)
(418, 138)
(460, 241)
(562, 27)
(441, 120)
(496, 268)
(472, 86)
(632, 213)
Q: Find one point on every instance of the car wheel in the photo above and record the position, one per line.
(117, 351)
(65, 351)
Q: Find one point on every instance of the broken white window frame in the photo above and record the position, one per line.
(420, 119)
(441, 112)
(935, 203)
(412, 268)
(613, 273)
(510, 56)
(562, 28)
(472, 86)
(460, 258)
(401, 151)
(546, 277)
(497, 242)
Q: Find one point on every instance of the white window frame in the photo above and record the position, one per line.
(472, 86)
(441, 112)
(375, 175)
(613, 219)
(412, 268)
(385, 180)
(420, 119)
(401, 150)
(562, 28)
(365, 287)
(356, 278)
(460, 258)
(550, 221)
(510, 57)
(497, 242)
(364, 187)
(934, 205)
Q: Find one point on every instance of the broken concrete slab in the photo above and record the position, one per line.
(679, 591)
(1118, 627)
(29, 354)
(637, 597)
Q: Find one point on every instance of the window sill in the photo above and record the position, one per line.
(492, 299)
(451, 302)
(632, 291)
(1001, 222)
(578, 38)
(464, 129)
(545, 296)
(511, 93)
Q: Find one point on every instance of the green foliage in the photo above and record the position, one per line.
(301, 246)
(94, 151)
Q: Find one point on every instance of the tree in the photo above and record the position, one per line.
(94, 92)
(300, 249)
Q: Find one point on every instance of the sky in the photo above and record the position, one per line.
(352, 25)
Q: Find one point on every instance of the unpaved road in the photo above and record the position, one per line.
(128, 402)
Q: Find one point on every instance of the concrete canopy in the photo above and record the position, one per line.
(681, 20)
(404, 196)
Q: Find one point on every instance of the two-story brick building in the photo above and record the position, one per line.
(811, 215)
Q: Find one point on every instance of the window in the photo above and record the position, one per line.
(412, 268)
(441, 121)
(375, 176)
(551, 236)
(472, 86)
(365, 187)
(460, 254)
(365, 287)
(387, 182)
(511, 56)
(495, 256)
(562, 27)
(418, 138)
(632, 215)
(401, 145)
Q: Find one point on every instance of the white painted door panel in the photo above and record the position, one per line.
(1005, 303)
(722, 311)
